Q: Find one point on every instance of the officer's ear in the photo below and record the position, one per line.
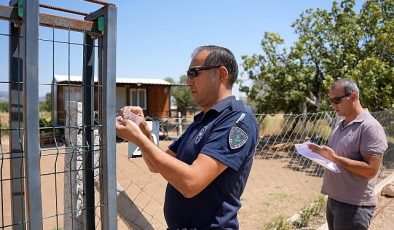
(223, 73)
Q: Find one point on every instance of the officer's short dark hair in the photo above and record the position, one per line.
(220, 56)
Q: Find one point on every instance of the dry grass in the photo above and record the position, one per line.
(274, 125)
(4, 120)
(271, 125)
(319, 127)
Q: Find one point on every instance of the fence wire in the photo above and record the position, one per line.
(296, 179)
(282, 186)
(64, 147)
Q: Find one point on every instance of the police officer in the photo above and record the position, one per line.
(208, 166)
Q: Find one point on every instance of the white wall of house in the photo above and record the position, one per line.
(120, 97)
(73, 93)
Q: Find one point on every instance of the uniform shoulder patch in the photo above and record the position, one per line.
(200, 134)
(237, 137)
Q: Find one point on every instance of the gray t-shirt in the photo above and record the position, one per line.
(364, 135)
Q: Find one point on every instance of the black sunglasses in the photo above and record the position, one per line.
(337, 100)
(193, 71)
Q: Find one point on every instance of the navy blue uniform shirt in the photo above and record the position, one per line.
(227, 133)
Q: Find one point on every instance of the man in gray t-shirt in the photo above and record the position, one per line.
(356, 146)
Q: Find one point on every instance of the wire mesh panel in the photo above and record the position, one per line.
(55, 170)
(5, 198)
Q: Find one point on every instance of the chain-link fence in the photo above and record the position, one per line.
(282, 183)
(294, 182)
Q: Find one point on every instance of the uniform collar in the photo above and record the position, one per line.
(218, 107)
(221, 105)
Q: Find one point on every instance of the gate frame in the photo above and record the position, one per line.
(25, 14)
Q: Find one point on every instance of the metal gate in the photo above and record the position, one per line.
(34, 148)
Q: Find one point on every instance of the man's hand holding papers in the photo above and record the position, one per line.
(322, 155)
(323, 151)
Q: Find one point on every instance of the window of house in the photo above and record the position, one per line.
(138, 97)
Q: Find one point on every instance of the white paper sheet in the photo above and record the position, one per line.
(303, 150)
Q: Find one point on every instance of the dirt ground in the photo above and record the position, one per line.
(273, 189)
(383, 218)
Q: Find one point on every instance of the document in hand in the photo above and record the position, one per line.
(134, 151)
(303, 150)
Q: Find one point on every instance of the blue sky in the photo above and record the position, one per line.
(157, 37)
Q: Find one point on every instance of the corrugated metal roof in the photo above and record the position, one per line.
(122, 80)
(148, 81)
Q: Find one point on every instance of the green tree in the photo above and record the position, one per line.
(4, 106)
(331, 45)
(47, 104)
(170, 80)
(182, 95)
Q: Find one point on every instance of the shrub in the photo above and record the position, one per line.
(45, 125)
(278, 223)
(314, 209)
(4, 106)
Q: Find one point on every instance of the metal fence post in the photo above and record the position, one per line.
(30, 115)
(107, 80)
(16, 126)
(88, 121)
(109, 137)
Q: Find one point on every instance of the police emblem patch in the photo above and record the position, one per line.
(237, 137)
(200, 134)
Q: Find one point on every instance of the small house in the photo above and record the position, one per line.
(152, 95)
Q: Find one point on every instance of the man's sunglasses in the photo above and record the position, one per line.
(337, 100)
(193, 71)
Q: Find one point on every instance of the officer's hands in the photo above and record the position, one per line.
(136, 115)
(127, 129)
(323, 151)
(127, 110)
